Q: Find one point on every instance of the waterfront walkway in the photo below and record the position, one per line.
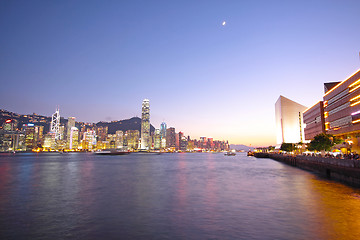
(343, 169)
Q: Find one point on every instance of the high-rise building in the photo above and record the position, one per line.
(170, 138)
(157, 139)
(49, 140)
(62, 132)
(70, 124)
(74, 138)
(31, 135)
(11, 139)
(119, 139)
(163, 130)
(163, 135)
(289, 121)
(183, 143)
(89, 140)
(9, 125)
(55, 124)
(131, 139)
(145, 125)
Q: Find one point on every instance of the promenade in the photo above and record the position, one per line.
(346, 170)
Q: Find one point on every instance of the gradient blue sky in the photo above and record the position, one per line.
(99, 59)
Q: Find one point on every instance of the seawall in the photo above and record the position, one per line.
(344, 170)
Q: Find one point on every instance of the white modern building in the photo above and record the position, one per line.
(289, 121)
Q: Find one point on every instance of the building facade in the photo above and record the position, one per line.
(170, 138)
(74, 138)
(70, 124)
(289, 121)
(342, 110)
(314, 121)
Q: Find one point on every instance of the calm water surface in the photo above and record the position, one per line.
(170, 196)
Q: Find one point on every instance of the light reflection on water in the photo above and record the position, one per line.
(170, 196)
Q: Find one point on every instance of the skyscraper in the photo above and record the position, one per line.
(157, 139)
(119, 139)
(70, 124)
(145, 125)
(74, 138)
(163, 135)
(163, 130)
(171, 138)
(55, 124)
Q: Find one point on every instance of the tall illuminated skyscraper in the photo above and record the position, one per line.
(55, 124)
(145, 125)
(70, 124)
(74, 138)
(157, 139)
(163, 135)
(163, 130)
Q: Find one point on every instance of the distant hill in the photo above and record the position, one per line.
(240, 147)
(38, 120)
(124, 125)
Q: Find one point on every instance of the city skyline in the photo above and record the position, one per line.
(202, 76)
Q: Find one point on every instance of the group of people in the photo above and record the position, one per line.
(353, 156)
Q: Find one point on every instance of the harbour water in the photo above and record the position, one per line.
(170, 196)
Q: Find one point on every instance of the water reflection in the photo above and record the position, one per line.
(171, 196)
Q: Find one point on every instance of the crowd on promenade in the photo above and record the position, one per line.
(351, 156)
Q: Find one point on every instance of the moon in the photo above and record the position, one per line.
(223, 23)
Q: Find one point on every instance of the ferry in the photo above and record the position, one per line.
(230, 154)
(111, 152)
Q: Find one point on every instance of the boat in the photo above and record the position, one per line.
(230, 154)
(111, 152)
(141, 151)
(249, 153)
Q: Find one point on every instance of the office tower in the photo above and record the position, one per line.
(102, 133)
(145, 125)
(89, 140)
(9, 125)
(11, 139)
(163, 130)
(157, 139)
(119, 139)
(55, 124)
(49, 141)
(183, 142)
(163, 135)
(70, 124)
(170, 138)
(179, 138)
(74, 138)
(210, 143)
(203, 142)
(131, 139)
(289, 121)
(31, 135)
(62, 132)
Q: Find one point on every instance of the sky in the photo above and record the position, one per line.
(98, 60)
